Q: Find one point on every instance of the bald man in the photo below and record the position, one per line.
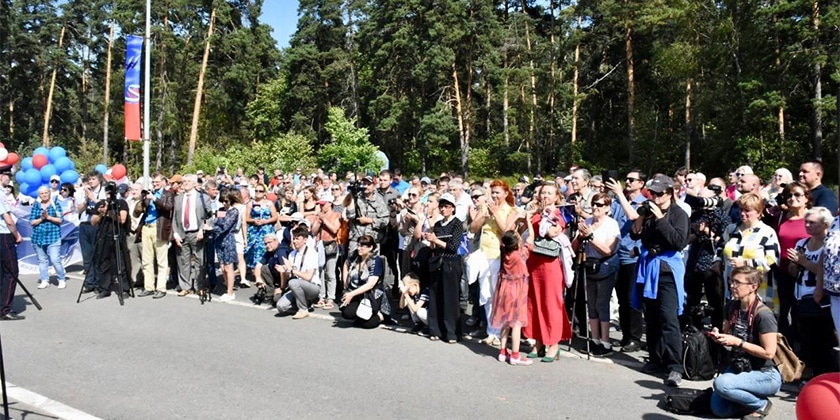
(747, 183)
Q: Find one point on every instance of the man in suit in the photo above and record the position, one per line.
(155, 227)
(193, 214)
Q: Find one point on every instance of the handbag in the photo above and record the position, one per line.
(330, 248)
(546, 247)
(365, 310)
(600, 268)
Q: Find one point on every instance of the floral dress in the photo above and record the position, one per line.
(255, 248)
(226, 229)
(510, 302)
(831, 262)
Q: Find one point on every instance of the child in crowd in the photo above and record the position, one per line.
(415, 300)
(510, 304)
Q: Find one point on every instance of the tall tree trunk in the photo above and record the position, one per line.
(163, 93)
(532, 121)
(553, 76)
(46, 137)
(817, 136)
(354, 78)
(575, 87)
(506, 102)
(462, 135)
(778, 53)
(631, 81)
(688, 123)
(200, 89)
(107, 101)
(12, 118)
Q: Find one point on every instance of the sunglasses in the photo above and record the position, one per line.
(599, 205)
(797, 195)
(339, 189)
(689, 179)
(366, 245)
(658, 194)
(476, 197)
(55, 181)
(260, 191)
(65, 190)
(738, 174)
(412, 194)
(629, 179)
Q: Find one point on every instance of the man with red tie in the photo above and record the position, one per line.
(193, 214)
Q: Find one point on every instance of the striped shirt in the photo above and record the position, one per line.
(758, 246)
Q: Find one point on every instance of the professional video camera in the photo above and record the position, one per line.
(111, 189)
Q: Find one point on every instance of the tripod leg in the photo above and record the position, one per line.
(81, 289)
(578, 275)
(586, 312)
(32, 298)
(3, 383)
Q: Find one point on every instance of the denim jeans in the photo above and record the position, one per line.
(50, 255)
(745, 392)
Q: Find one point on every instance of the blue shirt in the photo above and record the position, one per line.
(46, 233)
(626, 245)
(401, 186)
(152, 214)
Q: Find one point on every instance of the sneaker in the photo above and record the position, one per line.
(62, 284)
(520, 361)
(300, 315)
(244, 284)
(43, 284)
(227, 297)
(674, 379)
(503, 356)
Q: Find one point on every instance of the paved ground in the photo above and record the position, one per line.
(177, 359)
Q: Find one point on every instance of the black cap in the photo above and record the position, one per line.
(6, 169)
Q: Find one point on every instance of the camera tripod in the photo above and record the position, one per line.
(581, 279)
(117, 246)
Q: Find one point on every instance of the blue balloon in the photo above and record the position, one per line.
(26, 163)
(72, 166)
(47, 171)
(101, 168)
(32, 177)
(62, 164)
(19, 176)
(23, 187)
(41, 151)
(33, 192)
(56, 153)
(70, 176)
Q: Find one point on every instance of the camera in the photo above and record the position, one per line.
(111, 187)
(717, 189)
(259, 297)
(740, 364)
(528, 192)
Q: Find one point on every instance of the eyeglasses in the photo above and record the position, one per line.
(476, 197)
(735, 283)
(412, 194)
(797, 195)
(658, 194)
(65, 190)
(599, 205)
(339, 189)
(630, 179)
(260, 191)
(54, 181)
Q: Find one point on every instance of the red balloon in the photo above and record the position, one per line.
(12, 158)
(820, 398)
(118, 171)
(38, 161)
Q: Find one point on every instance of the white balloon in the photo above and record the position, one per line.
(3, 153)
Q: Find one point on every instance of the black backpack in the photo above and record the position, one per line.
(697, 359)
(689, 401)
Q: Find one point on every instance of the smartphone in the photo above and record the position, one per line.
(612, 173)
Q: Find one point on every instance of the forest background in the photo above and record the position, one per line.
(481, 87)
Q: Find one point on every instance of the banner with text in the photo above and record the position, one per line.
(133, 54)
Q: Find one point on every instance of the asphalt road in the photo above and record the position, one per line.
(174, 358)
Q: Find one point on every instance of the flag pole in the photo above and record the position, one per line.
(147, 64)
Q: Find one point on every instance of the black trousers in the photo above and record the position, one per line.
(8, 272)
(444, 300)
(87, 242)
(629, 318)
(349, 312)
(817, 337)
(664, 338)
(785, 285)
(710, 282)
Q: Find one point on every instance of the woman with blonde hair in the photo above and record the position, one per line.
(750, 242)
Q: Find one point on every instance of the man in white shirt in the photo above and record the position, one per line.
(300, 272)
(193, 213)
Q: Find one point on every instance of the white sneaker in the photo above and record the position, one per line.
(62, 284)
(227, 297)
(43, 285)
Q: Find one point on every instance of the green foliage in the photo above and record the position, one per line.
(349, 147)
(285, 152)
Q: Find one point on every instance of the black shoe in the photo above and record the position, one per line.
(631, 347)
(159, 294)
(11, 316)
(600, 351)
(651, 368)
(103, 294)
(88, 289)
(145, 293)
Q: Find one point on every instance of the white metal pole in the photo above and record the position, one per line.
(147, 63)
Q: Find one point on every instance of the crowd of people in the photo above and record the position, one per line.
(541, 259)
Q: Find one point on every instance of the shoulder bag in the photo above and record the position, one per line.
(546, 247)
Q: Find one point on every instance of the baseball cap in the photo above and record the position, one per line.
(425, 180)
(55, 178)
(297, 216)
(322, 202)
(176, 178)
(660, 183)
(446, 198)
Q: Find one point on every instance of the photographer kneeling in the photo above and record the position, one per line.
(750, 332)
(364, 294)
(301, 276)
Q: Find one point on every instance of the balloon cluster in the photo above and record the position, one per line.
(41, 166)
